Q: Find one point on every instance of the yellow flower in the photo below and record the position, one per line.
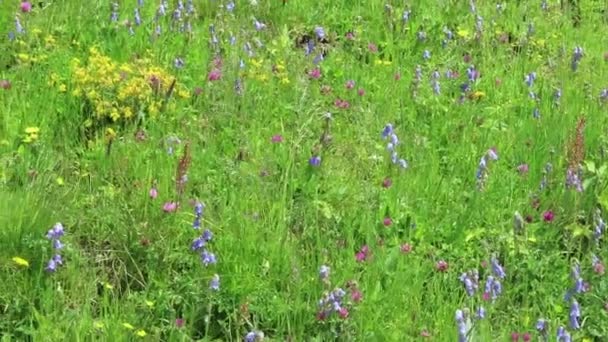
(141, 333)
(60, 181)
(23, 57)
(128, 326)
(462, 33)
(21, 262)
(63, 88)
(110, 133)
(32, 130)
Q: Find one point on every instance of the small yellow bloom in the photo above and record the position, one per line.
(98, 325)
(141, 333)
(477, 95)
(110, 133)
(63, 88)
(23, 57)
(462, 33)
(32, 130)
(21, 262)
(60, 181)
(128, 326)
(109, 287)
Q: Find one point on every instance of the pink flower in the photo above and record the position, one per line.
(315, 73)
(441, 266)
(361, 92)
(387, 182)
(514, 336)
(599, 268)
(362, 254)
(170, 207)
(356, 296)
(179, 322)
(5, 84)
(387, 221)
(343, 312)
(153, 193)
(26, 6)
(406, 248)
(349, 36)
(350, 84)
(486, 296)
(277, 138)
(526, 337)
(215, 75)
(342, 104)
(372, 47)
(548, 216)
(523, 168)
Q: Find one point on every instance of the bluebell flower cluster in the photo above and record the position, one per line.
(54, 234)
(389, 133)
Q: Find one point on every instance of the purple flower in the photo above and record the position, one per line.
(481, 313)
(56, 232)
(497, 268)
(575, 315)
(230, 6)
(137, 16)
(198, 243)
(426, 55)
(208, 258)
(563, 335)
(178, 63)
(259, 25)
(324, 273)
(214, 283)
(468, 284)
(315, 161)
(541, 326)
(114, 15)
(51, 266)
(530, 78)
(577, 55)
(320, 32)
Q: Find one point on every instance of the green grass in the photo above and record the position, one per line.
(276, 219)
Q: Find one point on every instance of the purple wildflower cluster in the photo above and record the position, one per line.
(54, 234)
(463, 323)
(482, 169)
(335, 301)
(200, 245)
(577, 55)
(254, 336)
(389, 133)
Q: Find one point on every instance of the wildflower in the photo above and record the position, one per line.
(324, 273)
(523, 168)
(575, 315)
(406, 248)
(21, 262)
(387, 221)
(320, 32)
(208, 258)
(5, 84)
(214, 75)
(577, 55)
(214, 283)
(178, 63)
(315, 73)
(463, 325)
(472, 73)
(372, 47)
(598, 266)
(481, 313)
(441, 266)
(259, 26)
(563, 335)
(350, 84)
(169, 207)
(530, 78)
(230, 6)
(541, 326)
(198, 213)
(114, 15)
(356, 296)
(315, 161)
(426, 55)
(497, 268)
(153, 193)
(603, 95)
(600, 226)
(141, 333)
(349, 35)
(26, 6)
(514, 336)
(405, 17)
(548, 216)
(468, 284)
(277, 138)
(362, 254)
(179, 322)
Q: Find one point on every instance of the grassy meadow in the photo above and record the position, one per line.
(294, 170)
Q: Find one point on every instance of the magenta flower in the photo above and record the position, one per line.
(514, 336)
(153, 193)
(406, 248)
(361, 92)
(26, 6)
(170, 207)
(356, 296)
(387, 182)
(526, 337)
(349, 36)
(362, 254)
(548, 216)
(342, 104)
(387, 221)
(343, 312)
(372, 47)
(214, 75)
(350, 84)
(277, 138)
(441, 266)
(315, 73)
(179, 322)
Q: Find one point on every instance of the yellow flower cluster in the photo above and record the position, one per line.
(119, 91)
(258, 72)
